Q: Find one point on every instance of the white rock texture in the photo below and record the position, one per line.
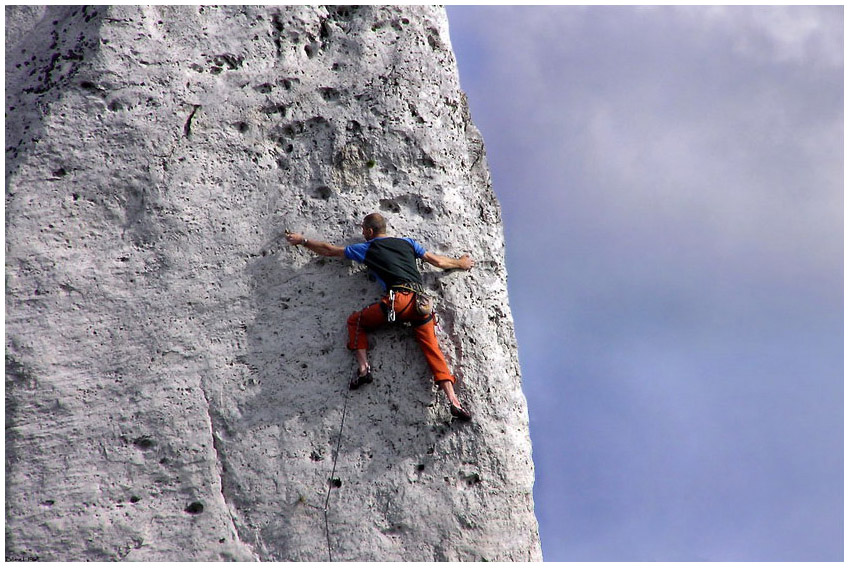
(176, 375)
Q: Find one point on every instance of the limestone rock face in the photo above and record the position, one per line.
(176, 374)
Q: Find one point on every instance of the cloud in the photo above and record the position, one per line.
(800, 35)
(671, 181)
(625, 102)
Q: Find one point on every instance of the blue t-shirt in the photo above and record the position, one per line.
(392, 260)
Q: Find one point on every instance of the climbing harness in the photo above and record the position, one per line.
(421, 301)
(424, 304)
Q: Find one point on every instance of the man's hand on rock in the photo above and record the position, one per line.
(466, 262)
(295, 238)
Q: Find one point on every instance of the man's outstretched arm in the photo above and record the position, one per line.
(465, 262)
(319, 247)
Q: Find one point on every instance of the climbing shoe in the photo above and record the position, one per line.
(460, 413)
(359, 380)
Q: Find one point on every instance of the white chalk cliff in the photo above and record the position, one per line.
(176, 374)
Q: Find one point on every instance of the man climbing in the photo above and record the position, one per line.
(393, 263)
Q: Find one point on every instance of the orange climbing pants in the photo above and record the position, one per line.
(375, 316)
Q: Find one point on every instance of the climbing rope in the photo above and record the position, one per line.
(333, 481)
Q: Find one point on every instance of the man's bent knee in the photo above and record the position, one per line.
(353, 318)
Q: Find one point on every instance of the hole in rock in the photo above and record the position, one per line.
(390, 205)
(322, 192)
(472, 479)
(329, 93)
(195, 508)
(144, 442)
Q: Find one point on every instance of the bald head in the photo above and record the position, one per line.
(375, 223)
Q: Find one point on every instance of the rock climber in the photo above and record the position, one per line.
(393, 263)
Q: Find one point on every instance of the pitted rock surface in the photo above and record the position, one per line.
(176, 374)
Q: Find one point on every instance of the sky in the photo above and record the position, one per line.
(671, 182)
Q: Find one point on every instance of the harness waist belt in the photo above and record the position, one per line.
(414, 287)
